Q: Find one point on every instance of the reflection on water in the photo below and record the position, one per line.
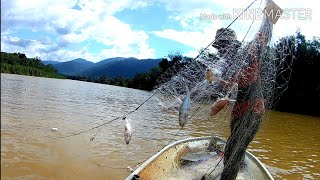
(287, 143)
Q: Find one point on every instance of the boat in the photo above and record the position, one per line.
(195, 158)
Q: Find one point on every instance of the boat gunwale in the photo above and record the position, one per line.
(152, 158)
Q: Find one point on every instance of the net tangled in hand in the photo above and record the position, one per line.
(248, 76)
(215, 74)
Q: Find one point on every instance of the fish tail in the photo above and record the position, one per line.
(188, 92)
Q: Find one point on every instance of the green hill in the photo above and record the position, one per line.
(18, 63)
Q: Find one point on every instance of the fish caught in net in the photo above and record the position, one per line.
(243, 75)
(226, 65)
(249, 76)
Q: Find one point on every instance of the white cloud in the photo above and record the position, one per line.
(142, 52)
(194, 39)
(192, 53)
(93, 20)
(48, 51)
(197, 33)
(31, 48)
(182, 6)
(111, 31)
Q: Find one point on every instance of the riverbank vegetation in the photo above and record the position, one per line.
(18, 63)
(303, 93)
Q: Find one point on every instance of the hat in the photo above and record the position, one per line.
(225, 36)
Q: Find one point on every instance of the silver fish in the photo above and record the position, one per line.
(127, 131)
(184, 109)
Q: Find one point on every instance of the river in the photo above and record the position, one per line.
(288, 144)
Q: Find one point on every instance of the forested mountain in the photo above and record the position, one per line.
(50, 62)
(111, 67)
(73, 67)
(124, 68)
(109, 60)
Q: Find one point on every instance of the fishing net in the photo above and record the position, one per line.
(240, 74)
(245, 76)
(275, 60)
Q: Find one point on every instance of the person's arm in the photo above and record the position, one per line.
(264, 34)
(255, 48)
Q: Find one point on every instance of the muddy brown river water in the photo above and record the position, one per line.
(288, 144)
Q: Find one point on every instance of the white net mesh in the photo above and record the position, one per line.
(230, 65)
(254, 73)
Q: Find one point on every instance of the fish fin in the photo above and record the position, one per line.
(230, 100)
(180, 99)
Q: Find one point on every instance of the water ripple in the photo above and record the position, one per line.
(287, 143)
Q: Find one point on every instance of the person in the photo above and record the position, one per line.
(248, 110)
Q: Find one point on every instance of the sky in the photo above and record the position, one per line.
(62, 30)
